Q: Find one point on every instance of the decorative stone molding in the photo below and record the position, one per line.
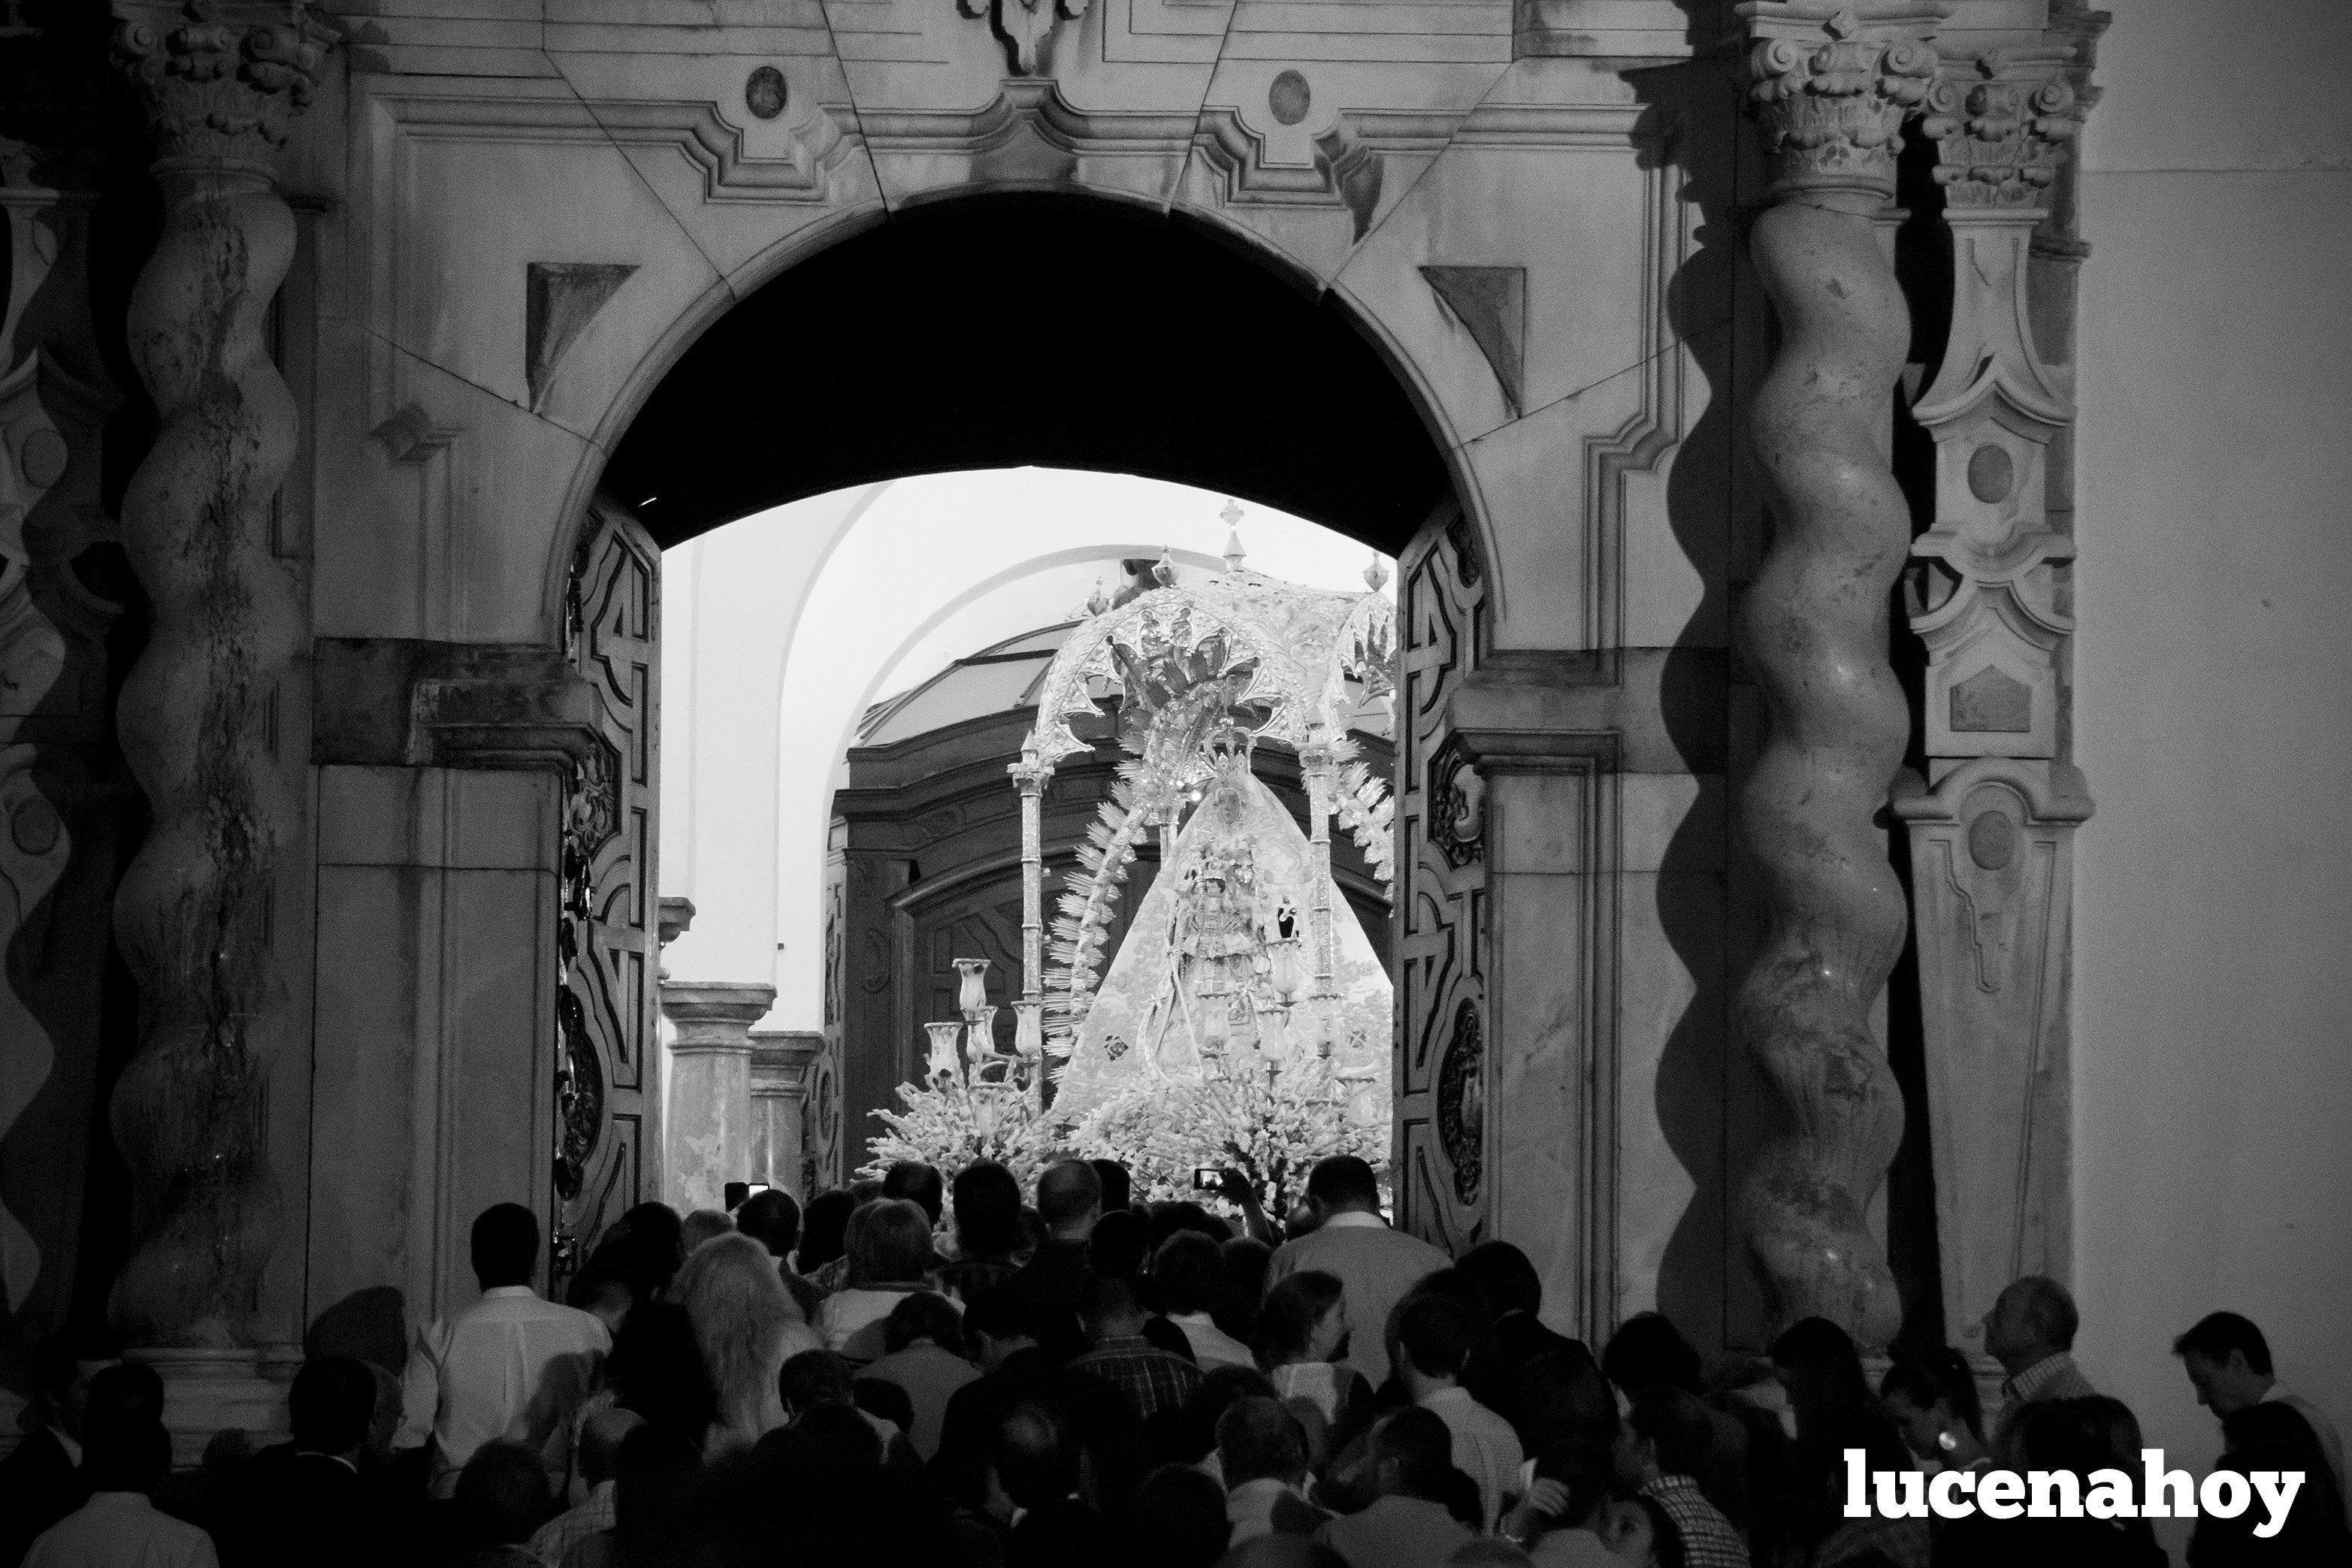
(677, 918)
(1024, 26)
(223, 78)
(198, 715)
(1830, 86)
(2001, 125)
(1992, 858)
(709, 1132)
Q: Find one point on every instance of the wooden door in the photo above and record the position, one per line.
(607, 1082)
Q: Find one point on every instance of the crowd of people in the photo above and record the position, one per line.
(972, 1376)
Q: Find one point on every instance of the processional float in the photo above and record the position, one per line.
(1244, 1021)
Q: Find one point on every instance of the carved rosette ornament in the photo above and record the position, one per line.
(1830, 86)
(198, 715)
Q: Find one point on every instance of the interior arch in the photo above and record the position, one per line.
(993, 331)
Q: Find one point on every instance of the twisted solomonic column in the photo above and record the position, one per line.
(198, 715)
(1830, 86)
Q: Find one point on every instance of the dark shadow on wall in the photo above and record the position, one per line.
(1691, 120)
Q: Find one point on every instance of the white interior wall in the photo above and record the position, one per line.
(2214, 703)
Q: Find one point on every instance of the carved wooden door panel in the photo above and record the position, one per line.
(1442, 1149)
(607, 1081)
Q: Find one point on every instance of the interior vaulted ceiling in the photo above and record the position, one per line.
(993, 333)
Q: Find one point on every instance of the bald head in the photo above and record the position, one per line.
(2031, 1320)
(1069, 1199)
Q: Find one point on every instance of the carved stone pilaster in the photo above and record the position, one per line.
(709, 1139)
(1990, 597)
(1991, 863)
(1830, 86)
(781, 1062)
(198, 717)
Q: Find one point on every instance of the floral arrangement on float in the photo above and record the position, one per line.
(974, 1102)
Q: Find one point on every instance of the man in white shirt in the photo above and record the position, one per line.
(1432, 1345)
(1188, 1271)
(127, 1454)
(511, 1366)
(2228, 1363)
(1375, 1265)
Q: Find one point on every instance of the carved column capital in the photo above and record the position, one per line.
(1831, 85)
(2001, 125)
(223, 78)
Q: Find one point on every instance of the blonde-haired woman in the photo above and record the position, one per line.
(747, 1327)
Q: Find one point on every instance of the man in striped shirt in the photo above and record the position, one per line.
(1153, 1379)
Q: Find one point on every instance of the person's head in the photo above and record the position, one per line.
(1069, 1199)
(923, 1316)
(331, 1404)
(1342, 1184)
(1666, 1433)
(1434, 1336)
(1035, 1455)
(1819, 1367)
(1503, 1271)
(1303, 1319)
(1929, 1394)
(1410, 1451)
(865, 1191)
(1169, 1217)
(2228, 1362)
(1187, 1274)
(656, 1370)
(1118, 1188)
(1179, 1519)
(998, 1321)
(1563, 1397)
(822, 1226)
(987, 1210)
(2032, 1319)
(127, 1388)
(64, 1365)
(1120, 1244)
(501, 1494)
(1258, 1439)
(1108, 1309)
(601, 1436)
(772, 1219)
(124, 1450)
(1192, 1435)
(702, 1224)
(889, 1243)
(654, 1245)
(602, 1291)
(918, 1184)
(1639, 1532)
(1586, 1472)
(741, 1314)
(505, 1246)
(1648, 1351)
(812, 1379)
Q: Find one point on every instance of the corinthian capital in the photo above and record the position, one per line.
(221, 78)
(1831, 85)
(2001, 126)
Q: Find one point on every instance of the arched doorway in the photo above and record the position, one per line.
(866, 362)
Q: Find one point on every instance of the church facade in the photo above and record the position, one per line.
(1710, 370)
